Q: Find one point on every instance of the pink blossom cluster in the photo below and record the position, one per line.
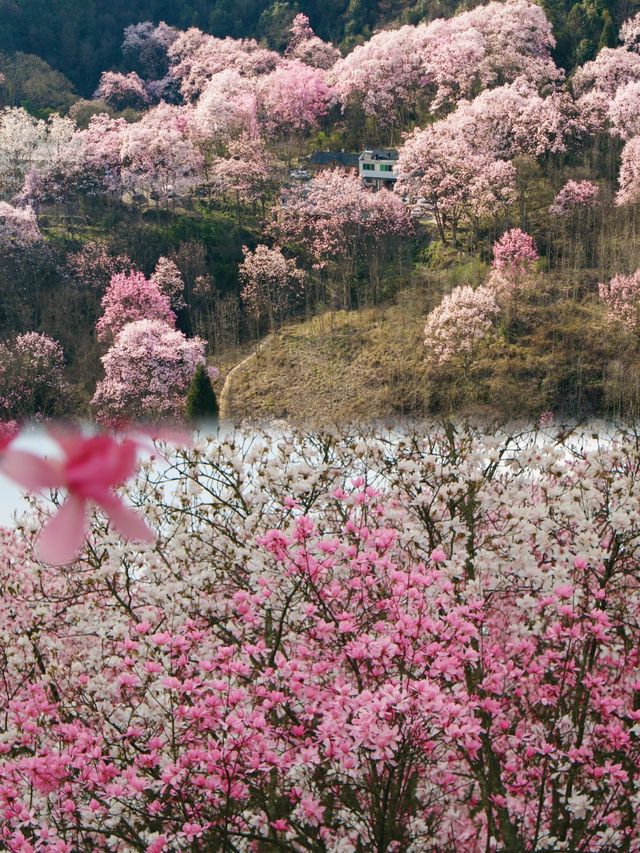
(621, 295)
(294, 97)
(196, 57)
(31, 376)
(630, 33)
(447, 60)
(575, 196)
(334, 212)
(169, 281)
(624, 110)
(514, 252)
(18, 226)
(122, 90)
(442, 168)
(147, 372)
(305, 45)
(271, 283)
(130, 297)
(93, 267)
(339, 642)
(629, 177)
(455, 328)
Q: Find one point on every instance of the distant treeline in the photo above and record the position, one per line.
(80, 38)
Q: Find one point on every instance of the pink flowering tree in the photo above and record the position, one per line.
(18, 226)
(455, 329)
(31, 377)
(621, 295)
(147, 372)
(512, 120)
(624, 110)
(437, 64)
(305, 45)
(574, 197)
(245, 174)
(307, 658)
(130, 297)
(226, 110)
(338, 222)
(514, 256)
(196, 57)
(122, 90)
(170, 282)
(271, 284)
(158, 158)
(293, 99)
(147, 45)
(629, 177)
(630, 33)
(93, 266)
(442, 170)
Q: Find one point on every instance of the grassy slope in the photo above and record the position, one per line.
(559, 354)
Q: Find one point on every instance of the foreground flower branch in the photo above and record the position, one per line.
(340, 642)
(89, 470)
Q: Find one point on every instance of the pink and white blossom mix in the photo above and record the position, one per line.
(131, 297)
(575, 196)
(147, 372)
(455, 328)
(621, 295)
(420, 642)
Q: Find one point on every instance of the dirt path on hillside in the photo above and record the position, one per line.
(226, 395)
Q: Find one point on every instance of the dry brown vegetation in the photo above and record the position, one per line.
(557, 353)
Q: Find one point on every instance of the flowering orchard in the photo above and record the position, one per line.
(341, 642)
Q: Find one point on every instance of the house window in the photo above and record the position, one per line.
(368, 167)
(384, 168)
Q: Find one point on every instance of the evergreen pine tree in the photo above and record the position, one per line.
(201, 403)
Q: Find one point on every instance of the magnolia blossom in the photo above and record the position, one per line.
(307, 47)
(630, 33)
(622, 298)
(629, 178)
(514, 119)
(157, 155)
(131, 297)
(226, 109)
(457, 326)
(197, 57)
(31, 376)
(147, 372)
(294, 97)
(443, 169)
(575, 196)
(18, 226)
(609, 71)
(329, 627)
(93, 266)
(122, 90)
(89, 471)
(334, 212)
(514, 255)
(169, 280)
(271, 283)
(445, 60)
(624, 111)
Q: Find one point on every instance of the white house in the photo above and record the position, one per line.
(378, 167)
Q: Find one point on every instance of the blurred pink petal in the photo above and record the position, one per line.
(8, 431)
(63, 535)
(31, 471)
(126, 521)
